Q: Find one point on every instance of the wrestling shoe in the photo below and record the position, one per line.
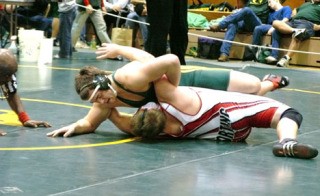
(278, 81)
(284, 61)
(291, 148)
(299, 34)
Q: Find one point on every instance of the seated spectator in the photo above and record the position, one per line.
(278, 12)
(305, 21)
(34, 16)
(140, 14)
(243, 20)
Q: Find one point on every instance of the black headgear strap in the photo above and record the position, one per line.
(101, 80)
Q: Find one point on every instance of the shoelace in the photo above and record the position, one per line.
(288, 148)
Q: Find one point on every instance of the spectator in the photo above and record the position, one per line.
(140, 14)
(243, 20)
(67, 13)
(54, 14)
(8, 84)
(305, 21)
(93, 10)
(278, 12)
(115, 7)
(34, 16)
(167, 18)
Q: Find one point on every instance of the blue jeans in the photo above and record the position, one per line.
(66, 20)
(262, 30)
(38, 22)
(259, 32)
(275, 41)
(243, 20)
(134, 25)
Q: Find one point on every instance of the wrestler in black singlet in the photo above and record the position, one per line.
(149, 95)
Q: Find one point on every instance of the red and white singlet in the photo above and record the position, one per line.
(225, 116)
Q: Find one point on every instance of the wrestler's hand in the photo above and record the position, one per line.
(66, 131)
(108, 51)
(35, 123)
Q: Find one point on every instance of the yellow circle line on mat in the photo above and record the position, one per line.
(56, 102)
(51, 67)
(72, 146)
(302, 91)
(66, 147)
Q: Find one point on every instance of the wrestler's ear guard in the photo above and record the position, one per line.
(104, 82)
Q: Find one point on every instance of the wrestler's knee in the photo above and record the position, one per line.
(293, 115)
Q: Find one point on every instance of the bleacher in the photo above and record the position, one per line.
(304, 59)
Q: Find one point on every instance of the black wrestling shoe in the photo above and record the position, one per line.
(278, 81)
(291, 148)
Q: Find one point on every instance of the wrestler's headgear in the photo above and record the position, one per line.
(100, 82)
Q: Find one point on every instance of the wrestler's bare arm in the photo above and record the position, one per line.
(182, 98)
(113, 50)
(97, 114)
(121, 120)
(149, 68)
(137, 75)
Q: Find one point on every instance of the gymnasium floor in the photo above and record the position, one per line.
(112, 163)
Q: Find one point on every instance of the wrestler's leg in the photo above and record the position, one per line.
(266, 86)
(217, 79)
(245, 83)
(223, 79)
(287, 126)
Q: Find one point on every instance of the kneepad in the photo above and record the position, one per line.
(293, 115)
